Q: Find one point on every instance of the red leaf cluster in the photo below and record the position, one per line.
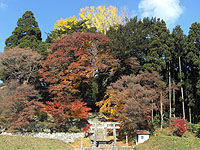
(87, 128)
(179, 126)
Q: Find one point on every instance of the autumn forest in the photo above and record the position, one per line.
(135, 71)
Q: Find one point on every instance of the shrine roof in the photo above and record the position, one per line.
(142, 132)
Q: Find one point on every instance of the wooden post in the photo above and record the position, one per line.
(81, 143)
(126, 141)
(114, 135)
(95, 135)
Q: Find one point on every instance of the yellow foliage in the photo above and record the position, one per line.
(109, 105)
(102, 18)
(64, 24)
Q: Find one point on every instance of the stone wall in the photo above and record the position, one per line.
(66, 137)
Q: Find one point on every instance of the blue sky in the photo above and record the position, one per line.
(47, 12)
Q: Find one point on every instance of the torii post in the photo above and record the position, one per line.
(114, 127)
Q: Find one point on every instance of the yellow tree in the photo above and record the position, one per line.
(110, 106)
(103, 18)
(64, 24)
(68, 26)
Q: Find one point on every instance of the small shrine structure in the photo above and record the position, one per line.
(141, 136)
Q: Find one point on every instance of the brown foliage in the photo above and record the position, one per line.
(18, 104)
(20, 64)
(154, 81)
(132, 98)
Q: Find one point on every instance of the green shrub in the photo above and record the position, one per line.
(194, 128)
(3, 122)
(156, 121)
(74, 129)
(42, 116)
(36, 126)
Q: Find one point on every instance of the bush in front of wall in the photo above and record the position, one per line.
(74, 129)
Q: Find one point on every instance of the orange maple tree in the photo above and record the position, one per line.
(72, 62)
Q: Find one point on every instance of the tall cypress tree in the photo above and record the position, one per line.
(26, 34)
(179, 61)
(155, 59)
(159, 54)
(193, 61)
(131, 42)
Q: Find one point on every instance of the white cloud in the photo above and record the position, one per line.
(169, 10)
(3, 5)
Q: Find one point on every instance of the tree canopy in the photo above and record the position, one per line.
(68, 26)
(20, 64)
(73, 61)
(103, 18)
(26, 34)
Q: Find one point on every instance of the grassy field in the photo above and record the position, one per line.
(164, 142)
(31, 143)
(160, 142)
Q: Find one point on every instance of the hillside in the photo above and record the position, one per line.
(163, 142)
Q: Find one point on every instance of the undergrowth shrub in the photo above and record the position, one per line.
(178, 126)
(194, 128)
(74, 129)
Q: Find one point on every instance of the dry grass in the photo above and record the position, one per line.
(31, 143)
(77, 143)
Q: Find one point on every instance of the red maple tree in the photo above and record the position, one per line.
(72, 61)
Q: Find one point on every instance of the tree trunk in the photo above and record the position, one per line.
(170, 93)
(190, 114)
(182, 97)
(161, 111)
(152, 112)
(174, 99)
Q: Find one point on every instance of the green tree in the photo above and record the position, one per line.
(178, 60)
(26, 34)
(155, 60)
(159, 54)
(130, 43)
(193, 65)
